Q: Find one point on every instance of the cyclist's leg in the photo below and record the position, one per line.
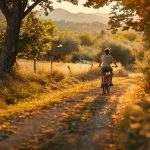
(111, 72)
(102, 72)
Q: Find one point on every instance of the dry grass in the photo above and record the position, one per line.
(135, 128)
(25, 89)
(23, 84)
(76, 68)
(44, 99)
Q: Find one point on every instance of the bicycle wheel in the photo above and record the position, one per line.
(104, 88)
(108, 89)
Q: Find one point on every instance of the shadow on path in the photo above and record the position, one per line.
(84, 127)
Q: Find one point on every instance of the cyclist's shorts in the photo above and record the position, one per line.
(106, 69)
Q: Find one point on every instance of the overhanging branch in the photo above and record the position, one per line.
(31, 8)
(24, 4)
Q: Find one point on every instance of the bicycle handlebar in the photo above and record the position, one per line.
(112, 66)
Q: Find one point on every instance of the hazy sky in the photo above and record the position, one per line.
(75, 9)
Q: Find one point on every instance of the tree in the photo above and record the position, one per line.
(127, 14)
(86, 39)
(132, 14)
(35, 37)
(69, 44)
(15, 11)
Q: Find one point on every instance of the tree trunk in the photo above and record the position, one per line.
(10, 49)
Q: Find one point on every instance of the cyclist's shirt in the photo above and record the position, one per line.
(107, 60)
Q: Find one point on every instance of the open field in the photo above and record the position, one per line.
(76, 68)
(25, 85)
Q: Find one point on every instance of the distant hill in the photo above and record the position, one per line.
(61, 14)
(94, 27)
(79, 22)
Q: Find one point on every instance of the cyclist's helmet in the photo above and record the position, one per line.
(107, 51)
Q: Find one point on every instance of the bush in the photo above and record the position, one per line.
(145, 67)
(65, 46)
(131, 36)
(84, 53)
(86, 39)
(119, 51)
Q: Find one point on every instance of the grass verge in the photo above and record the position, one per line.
(24, 92)
(135, 122)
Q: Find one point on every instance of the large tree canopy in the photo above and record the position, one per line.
(126, 14)
(26, 6)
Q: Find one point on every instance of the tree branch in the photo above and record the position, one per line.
(31, 8)
(4, 8)
(24, 4)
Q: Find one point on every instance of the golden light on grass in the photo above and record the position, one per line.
(44, 100)
(76, 68)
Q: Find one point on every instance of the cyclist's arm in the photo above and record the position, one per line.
(115, 62)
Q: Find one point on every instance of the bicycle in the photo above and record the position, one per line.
(106, 81)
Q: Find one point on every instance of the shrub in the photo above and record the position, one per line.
(57, 76)
(68, 45)
(85, 53)
(119, 51)
(86, 39)
(145, 67)
(131, 36)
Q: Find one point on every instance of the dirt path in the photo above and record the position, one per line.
(82, 122)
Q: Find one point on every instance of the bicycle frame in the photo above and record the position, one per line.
(106, 80)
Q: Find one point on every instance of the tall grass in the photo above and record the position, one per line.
(144, 66)
(135, 128)
(23, 84)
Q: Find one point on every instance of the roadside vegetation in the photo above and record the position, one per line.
(50, 60)
(133, 117)
(44, 42)
(23, 84)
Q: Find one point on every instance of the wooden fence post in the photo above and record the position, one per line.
(69, 70)
(92, 64)
(51, 65)
(34, 65)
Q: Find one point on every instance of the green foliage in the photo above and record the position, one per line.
(120, 51)
(85, 53)
(36, 37)
(66, 44)
(124, 15)
(86, 39)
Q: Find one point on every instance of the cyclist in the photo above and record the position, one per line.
(105, 63)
